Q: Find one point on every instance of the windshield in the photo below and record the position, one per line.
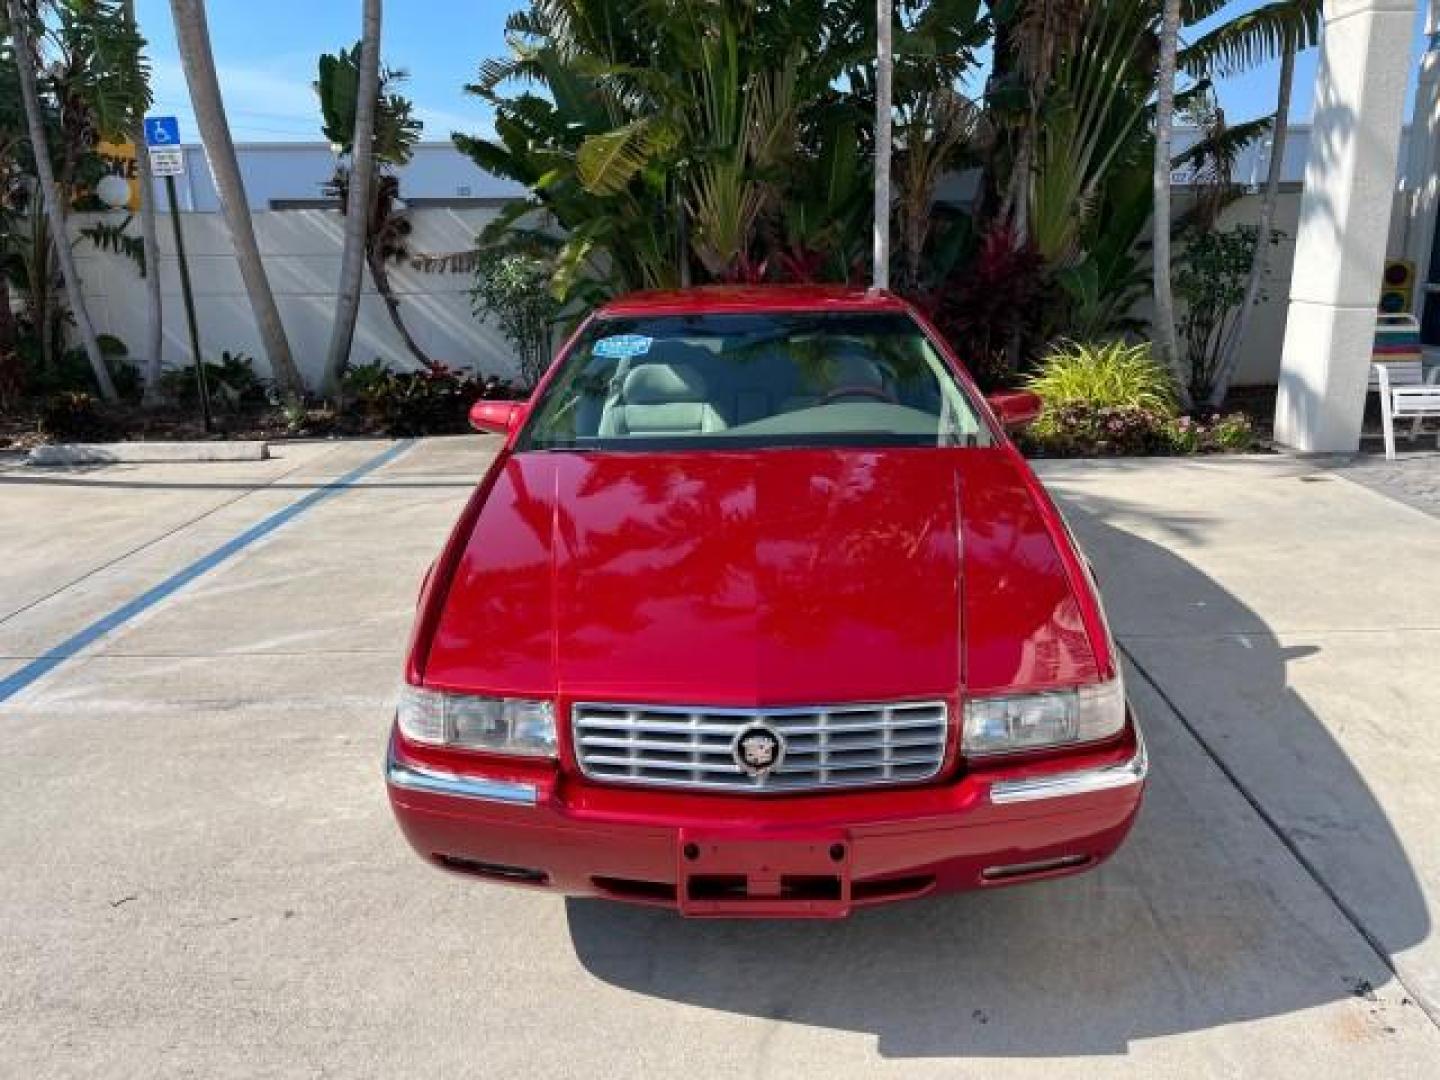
(723, 381)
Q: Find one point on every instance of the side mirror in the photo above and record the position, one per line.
(498, 417)
(1017, 409)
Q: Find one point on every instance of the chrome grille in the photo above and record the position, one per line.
(825, 747)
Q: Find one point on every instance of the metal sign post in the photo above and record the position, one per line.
(167, 159)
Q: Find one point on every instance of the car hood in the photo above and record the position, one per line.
(771, 577)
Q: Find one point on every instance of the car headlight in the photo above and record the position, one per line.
(500, 725)
(1003, 725)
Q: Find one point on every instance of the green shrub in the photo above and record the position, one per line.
(432, 400)
(232, 384)
(70, 371)
(1219, 435)
(72, 416)
(514, 290)
(1101, 376)
(1080, 429)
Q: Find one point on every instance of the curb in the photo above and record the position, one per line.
(145, 453)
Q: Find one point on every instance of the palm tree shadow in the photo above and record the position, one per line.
(1205, 918)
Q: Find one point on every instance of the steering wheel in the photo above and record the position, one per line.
(875, 392)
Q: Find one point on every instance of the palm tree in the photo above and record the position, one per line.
(884, 83)
(1286, 27)
(193, 37)
(1042, 33)
(395, 132)
(50, 194)
(357, 201)
(154, 311)
(1164, 321)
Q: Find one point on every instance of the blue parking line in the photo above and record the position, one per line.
(43, 665)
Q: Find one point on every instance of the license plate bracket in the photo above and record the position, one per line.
(764, 876)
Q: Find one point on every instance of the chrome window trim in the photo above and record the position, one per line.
(760, 714)
(439, 782)
(1081, 782)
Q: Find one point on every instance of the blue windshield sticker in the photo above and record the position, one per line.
(623, 347)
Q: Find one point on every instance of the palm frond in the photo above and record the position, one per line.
(1253, 38)
(606, 163)
(1223, 145)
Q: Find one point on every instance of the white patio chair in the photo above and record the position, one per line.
(1405, 393)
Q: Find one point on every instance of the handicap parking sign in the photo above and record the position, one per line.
(162, 131)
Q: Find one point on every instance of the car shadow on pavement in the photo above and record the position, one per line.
(1205, 917)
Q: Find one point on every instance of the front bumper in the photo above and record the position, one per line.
(817, 855)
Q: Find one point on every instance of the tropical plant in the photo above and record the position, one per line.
(103, 102)
(193, 37)
(231, 381)
(72, 416)
(1080, 429)
(396, 131)
(989, 304)
(1163, 320)
(1110, 374)
(1093, 124)
(1040, 36)
(1211, 279)
(1104, 287)
(657, 150)
(934, 126)
(514, 290)
(114, 237)
(1218, 434)
(1287, 27)
(360, 139)
(71, 371)
(433, 400)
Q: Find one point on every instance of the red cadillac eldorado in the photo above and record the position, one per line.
(758, 612)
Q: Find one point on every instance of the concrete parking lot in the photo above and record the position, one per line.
(201, 877)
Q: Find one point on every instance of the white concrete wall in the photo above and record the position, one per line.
(289, 171)
(301, 249)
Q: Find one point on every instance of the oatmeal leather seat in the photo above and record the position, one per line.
(661, 399)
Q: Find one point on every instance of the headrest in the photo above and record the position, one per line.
(661, 383)
(852, 365)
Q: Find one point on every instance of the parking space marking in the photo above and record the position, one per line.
(166, 535)
(83, 639)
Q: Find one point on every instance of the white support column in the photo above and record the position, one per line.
(1421, 181)
(1344, 223)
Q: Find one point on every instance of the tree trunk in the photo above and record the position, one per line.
(154, 311)
(1230, 359)
(50, 195)
(193, 36)
(884, 83)
(9, 331)
(381, 275)
(357, 203)
(1164, 322)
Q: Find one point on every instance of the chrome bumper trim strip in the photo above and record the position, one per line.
(436, 782)
(1082, 782)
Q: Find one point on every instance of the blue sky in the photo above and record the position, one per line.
(266, 51)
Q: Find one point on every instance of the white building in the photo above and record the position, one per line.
(292, 175)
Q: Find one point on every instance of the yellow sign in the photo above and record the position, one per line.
(119, 159)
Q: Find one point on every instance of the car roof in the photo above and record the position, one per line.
(732, 299)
